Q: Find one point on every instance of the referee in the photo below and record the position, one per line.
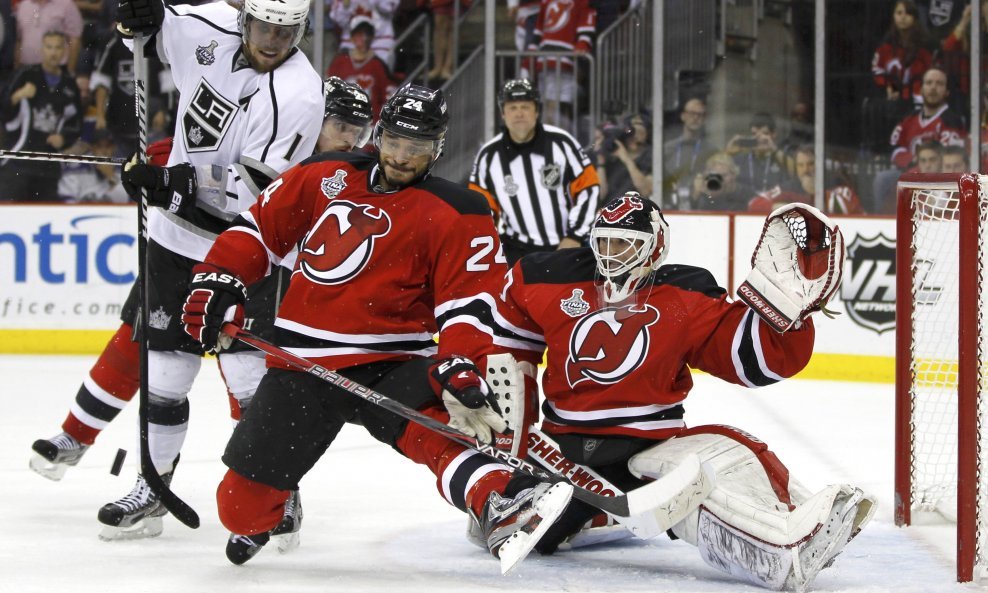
(541, 186)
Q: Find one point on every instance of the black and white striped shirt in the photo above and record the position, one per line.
(545, 190)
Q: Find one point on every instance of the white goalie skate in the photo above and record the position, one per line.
(513, 526)
(135, 516)
(54, 456)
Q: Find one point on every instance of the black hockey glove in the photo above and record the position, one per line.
(471, 404)
(171, 188)
(141, 16)
(215, 297)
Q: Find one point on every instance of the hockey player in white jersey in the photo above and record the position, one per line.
(251, 106)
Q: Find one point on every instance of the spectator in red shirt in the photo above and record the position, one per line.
(839, 199)
(903, 56)
(362, 67)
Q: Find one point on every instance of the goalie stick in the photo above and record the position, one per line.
(175, 505)
(664, 492)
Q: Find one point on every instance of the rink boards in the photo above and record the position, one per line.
(66, 270)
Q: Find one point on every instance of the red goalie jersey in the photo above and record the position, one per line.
(378, 274)
(626, 370)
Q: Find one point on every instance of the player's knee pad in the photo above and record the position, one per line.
(247, 507)
(242, 372)
(170, 374)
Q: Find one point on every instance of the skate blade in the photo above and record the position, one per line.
(287, 542)
(48, 469)
(549, 507)
(147, 527)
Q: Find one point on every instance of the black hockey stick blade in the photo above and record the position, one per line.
(635, 502)
(175, 505)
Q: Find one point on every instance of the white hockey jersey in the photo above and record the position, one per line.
(231, 116)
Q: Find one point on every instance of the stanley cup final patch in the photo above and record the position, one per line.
(575, 306)
(332, 186)
(205, 55)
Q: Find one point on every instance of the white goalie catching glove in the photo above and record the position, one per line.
(472, 407)
(796, 267)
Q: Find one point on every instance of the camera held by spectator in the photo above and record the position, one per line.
(613, 134)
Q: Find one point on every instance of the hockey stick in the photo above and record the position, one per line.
(88, 159)
(645, 525)
(175, 505)
(664, 492)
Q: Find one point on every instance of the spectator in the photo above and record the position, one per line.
(718, 187)
(954, 160)
(839, 199)
(955, 51)
(362, 67)
(685, 156)
(902, 58)
(562, 27)
(542, 188)
(380, 12)
(933, 121)
(800, 129)
(624, 158)
(112, 87)
(82, 182)
(524, 13)
(929, 157)
(43, 114)
(760, 162)
(37, 17)
(442, 38)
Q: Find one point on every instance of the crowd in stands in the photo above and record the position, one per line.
(918, 102)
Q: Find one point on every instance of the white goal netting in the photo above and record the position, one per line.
(938, 291)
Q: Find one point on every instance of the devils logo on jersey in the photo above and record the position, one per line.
(608, 345)
(341, 242)
(557, 15)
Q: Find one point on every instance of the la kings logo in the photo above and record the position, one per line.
(868, 289)
(207, 119)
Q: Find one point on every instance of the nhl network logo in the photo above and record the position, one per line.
(868, 289)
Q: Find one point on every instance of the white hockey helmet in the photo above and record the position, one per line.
(287, 13)
(629, 239)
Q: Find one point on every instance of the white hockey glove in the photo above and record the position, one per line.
(796, 267)
(472, 407)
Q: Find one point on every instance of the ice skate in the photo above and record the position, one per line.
(135, 516)
(512, 527)
(851, 511)
(241, 548)
(56, 455)
(286, 534)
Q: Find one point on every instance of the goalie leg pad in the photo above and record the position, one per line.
(757, 523)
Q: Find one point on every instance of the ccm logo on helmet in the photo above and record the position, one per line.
(404, 125)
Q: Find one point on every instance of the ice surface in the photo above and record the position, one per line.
(374, 521)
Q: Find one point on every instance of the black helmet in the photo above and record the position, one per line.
(415, 112)
(519, 89)
(347, 101)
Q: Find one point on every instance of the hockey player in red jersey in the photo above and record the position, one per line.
(388, 256)
(622, 332)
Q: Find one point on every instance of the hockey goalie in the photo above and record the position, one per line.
(622, 332)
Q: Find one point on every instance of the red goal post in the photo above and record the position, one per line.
(941, 436)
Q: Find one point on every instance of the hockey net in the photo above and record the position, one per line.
(942, 359)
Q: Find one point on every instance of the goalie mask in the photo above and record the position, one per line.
(629, 239)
